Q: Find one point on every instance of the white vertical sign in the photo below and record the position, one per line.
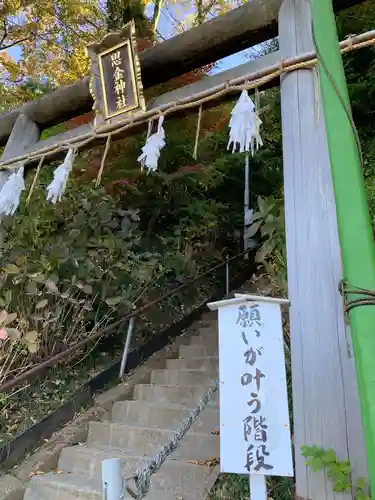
(254, 419)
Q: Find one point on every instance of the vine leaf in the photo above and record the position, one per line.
(32, 342)
(338, 471)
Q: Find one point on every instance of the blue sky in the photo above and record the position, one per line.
(14, 52)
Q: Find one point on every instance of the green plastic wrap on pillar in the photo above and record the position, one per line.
(356, 238)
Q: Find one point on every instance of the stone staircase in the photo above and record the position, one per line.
(141, 426)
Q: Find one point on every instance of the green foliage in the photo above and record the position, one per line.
(269, 222)
(77, 265)
(68, 270)
(360, 74)
(87, 237)
(12, 96)
(337, 470)
(121, 12)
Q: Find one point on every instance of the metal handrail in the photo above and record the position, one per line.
(7, 386)
(127, 346)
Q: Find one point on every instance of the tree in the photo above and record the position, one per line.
(120, 12)
(51, 37)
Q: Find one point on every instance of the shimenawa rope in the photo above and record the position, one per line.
(305, 61)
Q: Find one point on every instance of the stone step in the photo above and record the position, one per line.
(147, 414)
(69, 486)
(175, 475)
(198, 351)
(54, 486)
(141, 427)
(144, 441)
(210, 363)
(182, 377)
(209, 329)
(11, 488)
(205, 339)
(208, 316)
(185, 397)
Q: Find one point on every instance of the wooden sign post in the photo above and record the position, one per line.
(254, 419)
(116, 84)
(248, 212)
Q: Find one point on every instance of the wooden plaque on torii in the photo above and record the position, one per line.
(115, 84)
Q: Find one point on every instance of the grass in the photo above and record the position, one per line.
(29, 404)
(236, 487)
(230, 487)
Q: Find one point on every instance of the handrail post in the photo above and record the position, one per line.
(112, 479)
(227, 276)
(126, 346)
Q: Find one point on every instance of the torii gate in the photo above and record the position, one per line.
(325, 396)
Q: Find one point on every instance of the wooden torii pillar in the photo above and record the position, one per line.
(325, 396)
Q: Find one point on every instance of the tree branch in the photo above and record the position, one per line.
(92, 23)
(158, 4)
(35, 35)
(9, 45)
(5, 33)
(209, 7)
(200, 12)
(169, 16)
(160, 35)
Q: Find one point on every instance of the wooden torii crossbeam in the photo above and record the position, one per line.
(244, 27)
(325, 395)
(259, 73)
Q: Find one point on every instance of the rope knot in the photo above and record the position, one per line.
(128, 489)
(367, 296)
